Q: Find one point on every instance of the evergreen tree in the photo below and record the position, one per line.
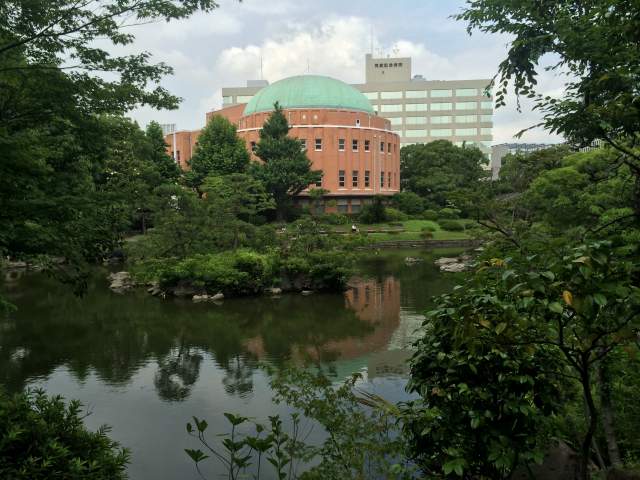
(286, 170)
(219, 151)
(166, 166)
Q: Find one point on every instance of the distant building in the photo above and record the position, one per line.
(356, 149)
(419, 110)
(498, 152)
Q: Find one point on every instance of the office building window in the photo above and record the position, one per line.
(465, 132)
(381, 179)
(366, 179)
(357, 122)
(464, 143)
(466, 105)
(341, 144)
(227, 99)
(319, 182)
(371, 95)
(354, 178)
(486, 105)
(318, 144)
(415, 94)
(466, 118)
(355, 208)
(343, 206)
(440, 132)
(341, 178)
(416, 133)
(389, 147)
(354, 145)
(244, 98)
(485, 131)
(395, 120)
(441, 93)
(486, 143)
(486, 118)
(178, 155)
(441, 119)
(390, 95)
(389, 180)
(466, 92)
(366, 145)
(382, 146)
(415, 120)
(416, 107)
(303, 144)
(392, 107)
(442, 106)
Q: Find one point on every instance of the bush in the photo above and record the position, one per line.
(42, 438)
(334, 219)
(374, 212)
(394, 215)
(323, 270)
(451, 225)
(429, 228)
(449, 213)
(430, 215)
(408, 202)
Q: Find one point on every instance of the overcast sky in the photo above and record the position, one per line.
(327, 37)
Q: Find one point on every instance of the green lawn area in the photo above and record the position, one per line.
(412, 229)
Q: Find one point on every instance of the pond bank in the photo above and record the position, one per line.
(458, 243)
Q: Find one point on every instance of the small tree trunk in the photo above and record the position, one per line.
(606, 405)
(592, 414)
(144, 223)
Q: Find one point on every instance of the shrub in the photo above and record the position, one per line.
(430, 215)
(42, 437)
(394, 215)
(408, 202)
(374, 212)
(449, 213)
(428, 228)
(451, 225)
(334, 219)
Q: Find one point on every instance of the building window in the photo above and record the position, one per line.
(466, 92)
(343, 206)
(319, 183)
(486, 105)
(341, 178)
(366, 145)
(486, 118)
(381, 179)
(244, 98)
(466, 118)
(371, 95)
(389, 180)
(382, 147)
(485, 131)
(416, 133)
(178, 155)
(395, 121)
(354, 178)
(390, 95)
(303, 144)
(440, 132)
(441, 93)
(416, 107)
(466, 105)
(389, 147)
(441, 119)
(357, 122)
(466, 132)
(253, 146)
(318, 144)
(415, 120)
(341, 144)
(415, 94)
(354, 145)
(438, 107)
(227, 99)
(392, 107)
(366, 179)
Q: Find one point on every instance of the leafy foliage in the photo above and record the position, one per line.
(374, 212)
(43, 438)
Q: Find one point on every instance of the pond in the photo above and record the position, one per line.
(145, 365)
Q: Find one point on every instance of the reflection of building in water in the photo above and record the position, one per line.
(389, 363)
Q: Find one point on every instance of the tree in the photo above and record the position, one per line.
(595, 44)
(519, 169)
(44, 438)
(374, 212)
(285, 169)
(219, 151)
(167, 167)
(408, 202)
(435, 170)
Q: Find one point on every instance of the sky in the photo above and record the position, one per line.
(224, 48)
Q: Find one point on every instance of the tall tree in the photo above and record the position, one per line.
(219, 151)
(167, 167)
(285, 169)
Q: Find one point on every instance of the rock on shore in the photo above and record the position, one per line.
(121, 282)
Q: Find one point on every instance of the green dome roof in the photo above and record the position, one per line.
(308, 91)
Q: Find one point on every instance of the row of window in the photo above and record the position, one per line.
(441, 119)
(468, 143)
(434, 107)
(355, 178)
(437, 93)
(355, 143)
(447, 132)
(387, 65)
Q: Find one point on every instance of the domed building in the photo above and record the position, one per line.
(356, 150)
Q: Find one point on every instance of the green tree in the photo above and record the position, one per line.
(168, 168)
(438, 169)
(408, 202)
(519, 169)
(595, 44)
(374, 212)
(219, 151)
(285, 169)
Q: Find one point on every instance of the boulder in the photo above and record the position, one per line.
(412, 260)
(121, 282)
(217, 297)
(200, 298)
(453, 267)
(154, 289)
(445, 261)
(274, 291)
(306, 292)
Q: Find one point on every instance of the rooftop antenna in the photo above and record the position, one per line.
(261, 72)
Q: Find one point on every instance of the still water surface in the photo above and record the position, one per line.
(145, 366)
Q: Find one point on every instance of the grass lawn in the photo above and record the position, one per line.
(412, 229)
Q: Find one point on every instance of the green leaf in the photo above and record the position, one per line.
(600, 299)
(501, 327)
(196, 455)
(556, 307)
